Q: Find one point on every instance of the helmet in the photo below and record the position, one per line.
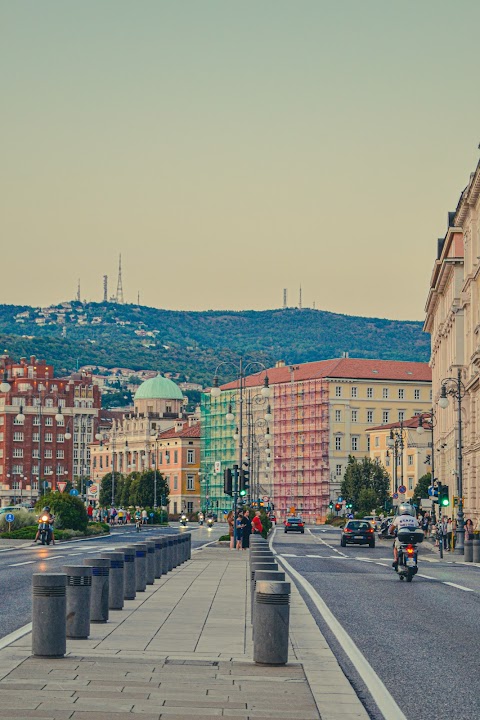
(406, 509)
(46, 508)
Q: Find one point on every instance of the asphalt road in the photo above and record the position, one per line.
(420, 638)
(18, 565)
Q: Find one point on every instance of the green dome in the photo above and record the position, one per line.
(158, 388)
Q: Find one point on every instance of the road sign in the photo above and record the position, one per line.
(340, 499)
(217, 467)
(9, 517)
(402, 489)
(73, 492)
(432, 491)
(266, 498)
(350, 516)
(61, 486)
(395, 496)
(152, 514)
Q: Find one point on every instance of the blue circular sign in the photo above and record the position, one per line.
(152, 514)
(395, 496)
(402, 489)
(350, 516)
(73, 492)
(9, 517)
(340, 499)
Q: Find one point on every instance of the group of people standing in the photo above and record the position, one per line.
(244, 526)
(445, 529)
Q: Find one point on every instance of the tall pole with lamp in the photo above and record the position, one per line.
(429, 418)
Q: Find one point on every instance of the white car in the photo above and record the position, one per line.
(375, 520)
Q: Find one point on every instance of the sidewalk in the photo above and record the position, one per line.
(181, 650)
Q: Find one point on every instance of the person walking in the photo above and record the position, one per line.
(239, 525)
(247, 529)
(469, 529)
(445, 532)
(449, 534)
(257, 523)
(230, 521)
(144, 517)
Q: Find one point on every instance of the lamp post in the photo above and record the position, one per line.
(454, 387)
(430, 418)
(240, 370)
(396, 442)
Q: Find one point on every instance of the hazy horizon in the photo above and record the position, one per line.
(231, 150)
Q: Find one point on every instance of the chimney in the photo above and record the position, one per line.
(280, 363)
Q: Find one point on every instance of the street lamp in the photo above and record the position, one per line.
(455, 387)
(396, 442)
(5, 386)
(430, 418)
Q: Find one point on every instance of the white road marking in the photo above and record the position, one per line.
(288, 555)
(27, 562)
(15, 635)
(459, 587)
(426, 577)
(325, 543)
(314, 556)
(382, 564)
(377, 689)
(74, 554)
(52, 557)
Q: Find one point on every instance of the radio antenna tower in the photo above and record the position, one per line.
(300, 299)
(284, 298)
(78, 291)
(120, 299)
(105, 288)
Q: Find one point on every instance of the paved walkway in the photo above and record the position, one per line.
(181, 650)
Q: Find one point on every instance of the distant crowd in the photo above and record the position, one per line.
(117, 516)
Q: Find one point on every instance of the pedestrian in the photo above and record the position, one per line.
(444, 532)
(449, 534)
(230, 527)
(257, 523)
(120, 516)
(247, 529)
(90, 512)
(128, 517)
(425, 524)
(239, 525)
(469, 529)
(144, 517)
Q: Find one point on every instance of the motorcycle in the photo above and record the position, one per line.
(209, 522)
(383, 533)
(407, 566)
(138, 524)
(45, 529)
(183, 520)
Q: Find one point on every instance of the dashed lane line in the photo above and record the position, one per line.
(459, 587)
(27, 562)
(52, 557)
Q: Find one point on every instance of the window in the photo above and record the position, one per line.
(401, 416)
(338, 443)
(369, 416)
(189, 507)
(175, 507)
(190, 482)
(354, 416)
(168, 408)
(36, 420)
(49, 421)
(18, 436)
(410, 459)
(385, 393)
(416, 394)
(354, 443)
(401, 393)
(338, 416)
(48, 452)
(338, 470)
(167, 457)
(17, 401)
(49, 403)
(48, 470)
(175, 456)
(377, 441)
(338, 391)
(61, 423)
(16, 421)
(385, 416)
(175, 482)
(410, 483)
(369, 392)
(387, 461)
(17, 469)
(60, 470)
(17, 452)
(368, 443)
(60, 438)
(35, 453)
(354, 392)
(190, 456)
(48, 437)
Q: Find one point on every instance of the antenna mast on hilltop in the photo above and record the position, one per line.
(105, 288)
(78, 291)
(119, 298)
(284, 298)
(300, 299)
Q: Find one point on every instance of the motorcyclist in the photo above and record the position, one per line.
(405, 519)
(51, 519)
(200, 518)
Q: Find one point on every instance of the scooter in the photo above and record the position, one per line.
(183, 520)
(138, 524)
(407, 566)
(45, 529)
(383, 533)
(209, 522)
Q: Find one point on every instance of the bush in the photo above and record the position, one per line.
(70, 512)
(23, 518)
(223, 538)
(24, 533)
(97, 529)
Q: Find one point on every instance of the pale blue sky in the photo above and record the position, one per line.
(231, 149)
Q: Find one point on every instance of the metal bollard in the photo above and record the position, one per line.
(170, 554)
(116, 589)
(150, 561)
(262, 565)
(129, 580)
(278, 575)
(272, 617)
(100, 588)
(49, 638)
(79, 587)
(158, 557)
(140, 567)
(468, 552)
(476, 549)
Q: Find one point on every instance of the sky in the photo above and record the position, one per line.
(229, 149)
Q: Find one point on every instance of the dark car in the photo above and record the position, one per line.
(358, 532)
(294, 524)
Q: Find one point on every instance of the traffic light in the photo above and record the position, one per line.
(338, 506)
(443, 499)
(244, 481)
(330, 505)
(349, 505)
(227, 482)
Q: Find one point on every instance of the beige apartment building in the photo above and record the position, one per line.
(453, 320)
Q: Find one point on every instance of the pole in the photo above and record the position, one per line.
(113, 467)
(235, 498)
(395, 456)
(155, 478)
(401, 452)
(434, 519)
(460, 544)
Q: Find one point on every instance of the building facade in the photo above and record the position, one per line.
(46, 425)
(321, 413)
(453, 321)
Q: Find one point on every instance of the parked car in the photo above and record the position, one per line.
(358, 532)
(294, 524)
(373, 519)
(272, 518)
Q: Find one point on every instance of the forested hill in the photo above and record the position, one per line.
(193, 343)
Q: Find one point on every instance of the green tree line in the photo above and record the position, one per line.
(133, 489)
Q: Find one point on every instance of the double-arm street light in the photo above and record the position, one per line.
(429, 419)
(396, 442)
(241, 371)
(455, 388)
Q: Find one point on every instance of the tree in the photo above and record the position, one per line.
(421, 488)
(69, 511)
(145, 492)
(105, 497)
(365, 475)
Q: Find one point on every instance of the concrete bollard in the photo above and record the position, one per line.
(79, 587)
(476, 549)
(129, 580)
(150, 561)
(116, 590)
(259, 554)
(189, 546)
(164, 541)
(100, 588)
(262, 565)
(140, 567)
(158, 557)
(468, 552)
(170, 554)
(272, 617)
(183, 545)
(277, 575)
(49, 638)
